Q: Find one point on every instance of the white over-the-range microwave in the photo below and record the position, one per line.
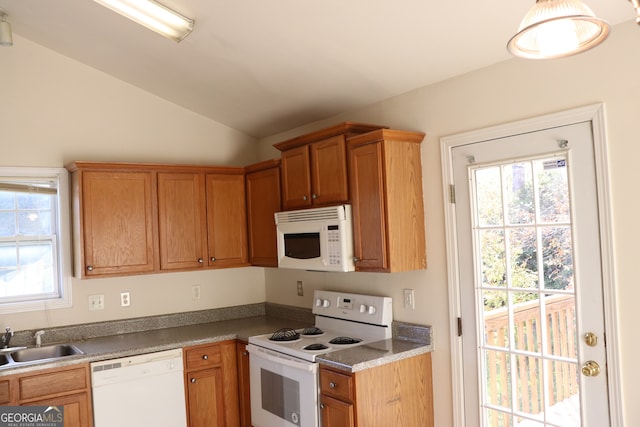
(319, 239)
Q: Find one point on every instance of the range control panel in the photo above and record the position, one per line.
(372, 309)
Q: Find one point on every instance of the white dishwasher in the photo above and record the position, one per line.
(144, 390)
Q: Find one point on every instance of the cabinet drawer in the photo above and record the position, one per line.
(337, 385)
(53, 383)
(5, 392)
(203, 357)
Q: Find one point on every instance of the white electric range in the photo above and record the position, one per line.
(284, 375)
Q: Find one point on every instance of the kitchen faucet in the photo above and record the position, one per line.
(38, 338)
(6, 338)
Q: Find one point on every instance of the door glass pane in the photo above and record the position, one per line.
(526, 291)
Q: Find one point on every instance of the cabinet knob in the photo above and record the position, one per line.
(193, 380)
(356, 259)
(314, 196)
(333, 385)
(322, 406)
(200, 260)
(213, 259)
(205, 357)
(245, 353)
(89, 267)
(304, 197)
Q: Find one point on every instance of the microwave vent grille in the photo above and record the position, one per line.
(319, 214)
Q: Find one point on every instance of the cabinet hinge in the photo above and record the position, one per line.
(452, 193)
(459, 326)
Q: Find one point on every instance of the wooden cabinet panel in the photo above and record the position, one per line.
(263, 201)
(211, 382)
(296, 178)
(77, 409)
(385, 178)
(368, 207)
(315, 174)
(181, 215)
(205, 391)
(5, 392)
(53, 382)
(244, 390)
(336, 413)
(117, 219)
(202, 357)
(337, 385)
(226, 220)
(329, 171)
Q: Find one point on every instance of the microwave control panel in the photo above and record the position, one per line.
(334, 249)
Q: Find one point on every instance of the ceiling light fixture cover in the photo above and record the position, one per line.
(152, 15)
(557, 28)
(6, 37)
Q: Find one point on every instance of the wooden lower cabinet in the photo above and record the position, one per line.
(211, 385)
(244, 389)
(398, 394)
(69, 387)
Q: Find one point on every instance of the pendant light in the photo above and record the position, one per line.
(557, 28)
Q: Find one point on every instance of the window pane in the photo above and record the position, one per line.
(553, 190)
(8, 256)
(7, 200)
(523, 258)
(557, 257)
(519, 193)
(489, 196)
(34, 223)
(7, 224)
(493, 258)
(33, 201)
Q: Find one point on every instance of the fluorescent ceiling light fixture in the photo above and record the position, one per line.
(557, 28)
(152, 15)
(6, 37)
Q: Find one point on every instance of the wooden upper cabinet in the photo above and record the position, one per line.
(263, 201)
(226, 220)
(115, 228)
(182, 220)
(314, 166)
(385, 178)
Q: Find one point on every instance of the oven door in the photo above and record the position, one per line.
(284, 390)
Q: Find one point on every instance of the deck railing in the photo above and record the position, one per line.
(562, 377)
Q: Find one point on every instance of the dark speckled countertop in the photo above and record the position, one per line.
(120, 339)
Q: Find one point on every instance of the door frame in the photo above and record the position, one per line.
(594, 114)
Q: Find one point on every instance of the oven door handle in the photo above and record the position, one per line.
(280, 359)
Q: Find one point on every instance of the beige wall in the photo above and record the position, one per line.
(54, 110)
(509, 91)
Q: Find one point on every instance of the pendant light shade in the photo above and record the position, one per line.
(557, 28)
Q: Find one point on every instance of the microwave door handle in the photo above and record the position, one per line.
(324, 241)
(257, 352)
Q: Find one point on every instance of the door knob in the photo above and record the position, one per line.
(591, 339)
(590, 369)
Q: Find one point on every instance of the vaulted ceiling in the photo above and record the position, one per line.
(263, 67)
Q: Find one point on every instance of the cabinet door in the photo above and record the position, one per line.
(226, 221)
(205, 397)
(77, 409)
(336, 413)
(263, 201)
(329, 171)
(366, 179)
(118, 223)
(244, 390)
(181, 220)
(296, 178)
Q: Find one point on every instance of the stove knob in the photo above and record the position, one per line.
(326, 303)
(318, 302)
(363, 308)
(372, 309)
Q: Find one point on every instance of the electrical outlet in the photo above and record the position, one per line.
(300, 289)
(96, 302)
(125, 299)
(409, 299)
(195, 292)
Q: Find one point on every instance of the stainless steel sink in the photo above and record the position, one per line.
(43, 353)
(4, 360)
